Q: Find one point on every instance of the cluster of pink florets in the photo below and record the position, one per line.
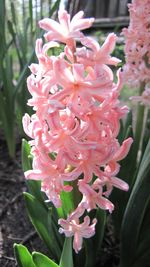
(137, 44)
(76, 122)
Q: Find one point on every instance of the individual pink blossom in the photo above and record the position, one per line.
(76, 122)
(73, 227)
(93, 199)
(45, 65)
(96, 54)
(66, 29)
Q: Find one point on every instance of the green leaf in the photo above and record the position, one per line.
(146, 134)
(128, 123)
(54, 7)
(13, 13)
(7, 103)
(13, 34)
(33, 186)
(99, 229)
(23, 73)
(70, 200)
(66, 257)
(23, 257)
(25, 156)
(121, 132)
(31, 14)
(138, 136)
(67, 202)
(7, 118)
(134, 241)
(38, 214)
(119, 197)
(90, 252)
(56, 237)
(2, 28)
(43, 261)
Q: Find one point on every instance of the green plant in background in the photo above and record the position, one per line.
(7, 103)
(135, 232)
(18, 33)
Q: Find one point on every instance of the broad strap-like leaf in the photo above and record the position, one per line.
(33, 186)
(23, 256)
(31, 14)
(54, 7)
(99, 229)
(119, 197)
(53, 225)
(7, 103)
(70, 200)
(43, 261)
(39, 217)
(135, 228)
(90, 252)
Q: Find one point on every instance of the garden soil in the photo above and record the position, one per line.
(15, 226)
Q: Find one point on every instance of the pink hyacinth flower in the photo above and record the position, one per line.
(76, 122)
(137, 67)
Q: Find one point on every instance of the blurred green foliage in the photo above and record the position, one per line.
(18, 32)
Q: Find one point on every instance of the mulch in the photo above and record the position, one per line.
(15, 226)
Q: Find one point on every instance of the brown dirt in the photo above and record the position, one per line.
(15, 226)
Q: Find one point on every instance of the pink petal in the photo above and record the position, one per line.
(38, 47)
(91, 43)
(64, 19)
(51, 25)
(109, 44)
(77, 16)
(105, 204)
(62, 72)
(26, 125)
(77, 242)
(34, 175)
(81, 24)
(119, 183)
(124, 149)
(78, 72)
